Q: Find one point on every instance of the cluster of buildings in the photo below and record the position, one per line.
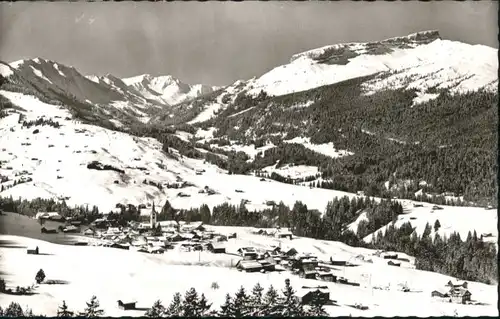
(456, 292)
(156, 237)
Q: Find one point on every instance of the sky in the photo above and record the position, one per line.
(217, 43)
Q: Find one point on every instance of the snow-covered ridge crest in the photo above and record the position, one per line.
(468, 67)
(166, 88)
(413, 39)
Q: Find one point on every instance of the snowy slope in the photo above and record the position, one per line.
(451, 218)
(151, 277)
(166, 89)
(449, 64)
(66, 151)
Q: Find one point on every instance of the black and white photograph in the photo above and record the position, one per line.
(235, 159)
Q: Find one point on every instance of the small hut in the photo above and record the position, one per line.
(126, 306)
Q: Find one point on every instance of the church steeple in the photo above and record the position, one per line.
(153, 216)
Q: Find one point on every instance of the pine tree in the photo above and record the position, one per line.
(227, 307)
(190, 303)
(1, 311)
(291, 304)
(437, 225)
(158, 310)
(14, 310)
(271, 306)
(202, 307)
(175, 308)
(92, 310)
(256, 299)
(2, 285)
(240, 303)
(63, 311)
(40, 276)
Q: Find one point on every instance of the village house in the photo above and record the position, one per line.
(392, 263)
(216, 248)
(88, 232)
(45, 230)
(308, 295)
(460, 295)
(71, 229)
(249, 266)
(248, 253)
(283, 234)
(126, 306)
(441, 293)
(33, 251)
(327, 276)
(51, 216)
(458, 284)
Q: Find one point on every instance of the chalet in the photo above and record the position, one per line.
(120, 246)
(33, 251)
(391, 263)
(308, 273)
(71, 229)
(417, 205)
(267, 264)
(48, 230)
(156, 250)
(216, 248)
(89, 232)
(391, 256)
(337, 262)
(126, 306)
(283, 234)
(249, 266)
(308, 295)
(193, 226)
(460, 295)
(457, 285)
(435, 207)
(291, 252)
(233, 235)
(52, 216)
(248, 253)
(176, 237)
(441, 293)
(326, 276)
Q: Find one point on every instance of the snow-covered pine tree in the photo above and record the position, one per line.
(158, 310)
(291, 304)
(203, 307)
(14, 310)
(256, 299)
(92, 310)
(190, 303)
(227, 307)
(40, 276)
(63, 311)
(241, 303)
(175, 307)
(271, 303)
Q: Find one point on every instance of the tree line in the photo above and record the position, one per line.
(257, 303)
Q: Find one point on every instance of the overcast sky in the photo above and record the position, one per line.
(219, 43)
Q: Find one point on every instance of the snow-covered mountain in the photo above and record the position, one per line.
(166, 89)
(421, 61)
(55, 158)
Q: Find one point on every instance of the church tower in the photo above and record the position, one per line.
(153, 217)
